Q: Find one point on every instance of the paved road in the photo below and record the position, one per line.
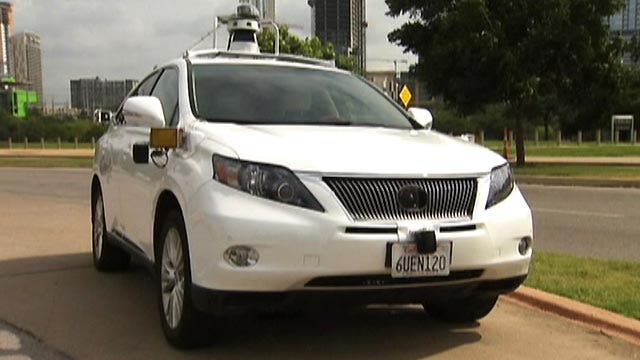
(596, 222)
(49, 288)
(16, 344)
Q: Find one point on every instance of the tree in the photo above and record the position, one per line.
(478, 52)
(309, 47)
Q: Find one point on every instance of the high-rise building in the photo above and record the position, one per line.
(267, 8)
(626, 22)
(27, 63)
(344, 24)
(6, 30)
(94, 94)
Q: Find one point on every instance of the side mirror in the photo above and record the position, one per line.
(143, 111)
(422, 116)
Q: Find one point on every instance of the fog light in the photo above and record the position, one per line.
(241, 256)
(525, 245)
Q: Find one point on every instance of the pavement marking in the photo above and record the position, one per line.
(9, 341)
(581, 213)
(15, 357)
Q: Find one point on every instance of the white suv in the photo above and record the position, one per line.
(258, 181)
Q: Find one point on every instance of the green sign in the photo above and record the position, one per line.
(22, 99)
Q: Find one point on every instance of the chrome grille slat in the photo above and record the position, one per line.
(376, 199)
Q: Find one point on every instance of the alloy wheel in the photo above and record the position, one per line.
(172, 278)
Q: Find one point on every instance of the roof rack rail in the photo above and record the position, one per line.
(216, 53)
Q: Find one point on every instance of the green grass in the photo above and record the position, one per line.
(45, 162)
(608, 284)
(582, 171)
(571, 150)
(47, 145)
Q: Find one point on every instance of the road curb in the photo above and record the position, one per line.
(573, 181)
(606, 322)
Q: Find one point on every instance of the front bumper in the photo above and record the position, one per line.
(228, 302)
(303, 250)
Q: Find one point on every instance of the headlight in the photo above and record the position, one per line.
(266, 181)
(501, 184)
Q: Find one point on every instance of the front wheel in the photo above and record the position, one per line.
(184, 326)
(464, 310)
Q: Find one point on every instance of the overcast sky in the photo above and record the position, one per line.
(119, 39)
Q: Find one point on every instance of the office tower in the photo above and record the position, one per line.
(267, 8)
(626, 22)
(27, 63)
(94, 94)
(6, 30)
(344, 24)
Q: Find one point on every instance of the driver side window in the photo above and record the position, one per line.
(143, 89)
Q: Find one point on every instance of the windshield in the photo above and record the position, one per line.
(259, 94)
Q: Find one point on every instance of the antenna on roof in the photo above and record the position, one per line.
(243, 27)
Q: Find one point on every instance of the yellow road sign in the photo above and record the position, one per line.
(405, 95)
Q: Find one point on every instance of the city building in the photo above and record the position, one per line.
(344, 24)
(267, 8)
(392, 83)
(27, 63)
(626, 23)
(386, 80)
(6, 30)
(93, 94)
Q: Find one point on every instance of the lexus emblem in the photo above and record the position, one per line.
(412, 198)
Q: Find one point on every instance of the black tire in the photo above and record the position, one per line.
(466, 310)
(106, 256)
(192, 328)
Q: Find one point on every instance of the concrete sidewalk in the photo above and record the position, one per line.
(80, 153)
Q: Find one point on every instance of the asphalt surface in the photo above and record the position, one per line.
(16, 344)
(65, 308)
(584, 221)
(596, 222)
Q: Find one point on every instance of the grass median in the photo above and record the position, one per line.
(560, 170)
(572, 150)
(580, 171)
(609, 284)
(46, 162)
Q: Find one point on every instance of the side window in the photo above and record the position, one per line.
(143, 89)
(167, 91)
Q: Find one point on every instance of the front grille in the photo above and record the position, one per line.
(377, 199)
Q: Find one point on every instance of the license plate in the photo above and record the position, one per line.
(406, 262)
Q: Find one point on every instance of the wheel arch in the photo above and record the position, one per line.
(167, 202)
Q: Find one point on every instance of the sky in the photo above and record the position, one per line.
(120, 39)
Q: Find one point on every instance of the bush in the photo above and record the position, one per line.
(39, 126)
(491, 119)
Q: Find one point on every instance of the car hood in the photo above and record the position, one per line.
(353, 150)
